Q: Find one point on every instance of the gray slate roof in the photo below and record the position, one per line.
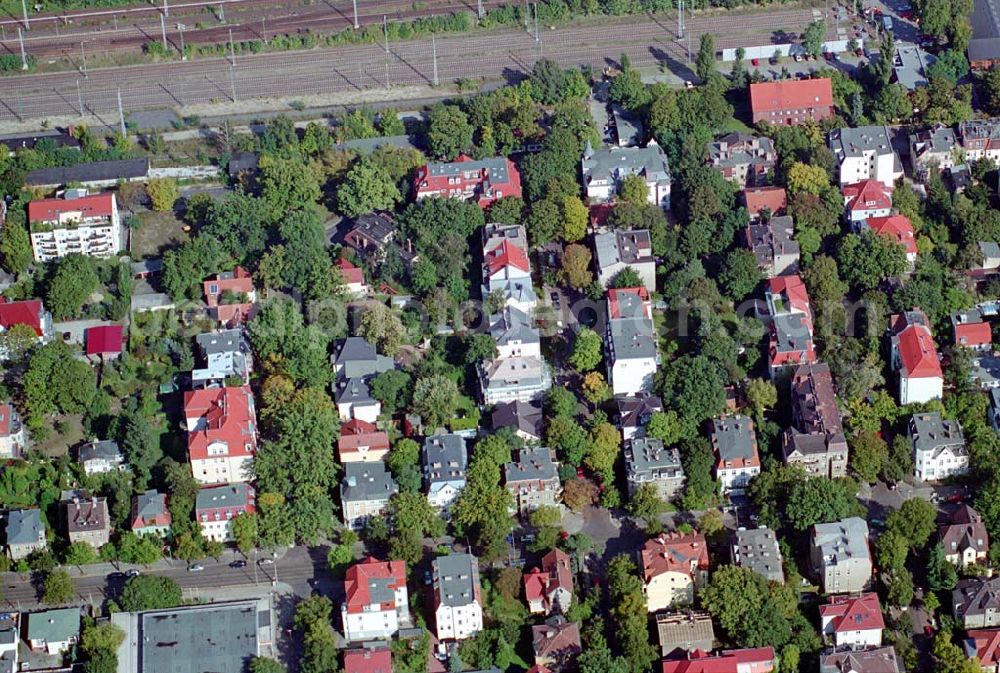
(635, 411)
(931, 433)
(847, 538)
(633, 338)
(523, 416)
(854, 142)
(512, 325)
(366, 481)
(531, 465)
(628, 247)
(90, 172)
(616, 163)
(456, 579)
(222, 341)
(495, 166)
(105, 449)
(910, 65)
(985, 42)
(734, 438)
(150, 504)
(24, 526)
(871, 660)
(352, 390)
(359, 358)
(444, 458)
(758, 550)
(648, 454)
(227, 495)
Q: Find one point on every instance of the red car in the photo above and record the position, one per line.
(954, 498)
(755, 61)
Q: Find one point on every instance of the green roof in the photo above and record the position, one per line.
(54, 626)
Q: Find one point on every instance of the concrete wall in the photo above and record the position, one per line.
(787, 49)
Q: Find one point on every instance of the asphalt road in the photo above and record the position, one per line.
(300, 568)
(649, 41)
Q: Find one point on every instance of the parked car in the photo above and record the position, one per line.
(798, 58)
(239, 563)
(887, 23)
(195, 567)
(755, 61)
(266, 562)
(132, 573)
(955, 498)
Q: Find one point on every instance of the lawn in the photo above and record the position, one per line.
(157, 233)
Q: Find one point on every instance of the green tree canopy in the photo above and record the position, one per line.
(150, 592)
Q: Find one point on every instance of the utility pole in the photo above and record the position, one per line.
(385, 31)
(180, 28)
(222, 13)
(263, 29)
(166, 8)
(680, 19)
(121, 115)
(479, 10)
(356, 24)
(232, 81)
(527, 18)
(534, 6)
(163, 31)
(24, 9)
(83, 57)
(435, 51)
(24, 56)
(232, 48)
(79, 97)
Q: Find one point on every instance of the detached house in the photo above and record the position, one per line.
(556, 644)
(549, 588)
(774, 246)
(865, 199)
(914, 356)
(742, 158)
(365, 492)
(457, 597)
(870, 660)
(687, 631)
(515, 379)
(226, 356)
(376, 603)
(735, 445)
(964, 537)
(78, 223)
(635, 412)
(932, 147)
(840, 555)
(533, 480)
(865, 153)
(788, 313)
(361, 442)
(939, 449)
(673, 564)
(971, 330)
(53, 631)
(975, 603)
(816, 439)
(854, 621)
(30, 313)
(482, 181)
(899, 230)
(217, 506)
(616, 250)
(758, 550)
(355, 362)
(605, 169)
(791, 102)
(25, 533)
(632, 356)
(514, 334)
(524, 418)
(648, 461)
(756, 660)
(506, 267)
(757, 200)
(984, 645)
(13, 434)
(87, 521)
(980, 139)
(230, 297)
(150, 514)
(98, 457)
(222, 434)
(444, 460)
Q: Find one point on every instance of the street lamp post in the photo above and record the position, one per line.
(180, 28)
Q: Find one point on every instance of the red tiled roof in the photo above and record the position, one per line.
(240, 282)
(553, 574)
(794, 290)
(674, 552)
(229, 418)
(790, 94)
(987, 644)
(356, 433)
(867, 195)
(22, 313)
(350, 273)
(973, 334)
(756, 660)
(918, 353)
(103, 339)
(897, 228)
(861, 613)
(507, 254)
(359, 578)
(759, 198)
(48, 210)
(615, 293)
(368, 661)
(5, 413)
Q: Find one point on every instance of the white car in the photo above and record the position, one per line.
(798, 58)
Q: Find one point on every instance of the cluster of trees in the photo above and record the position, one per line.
(482, 511)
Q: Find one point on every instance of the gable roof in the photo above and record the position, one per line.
(349, 272)
(853, 613)
(872, 660)
(918, 353)
(554, 574)
(507, 254)
(27, 312)
(371, 582)
(556, 636)
(973, 334)
(757, 199)
(150, 509)
(525, 417)
(368, 660)
(896, 228)
(983, 644)
(867, 195)
(104, 339)
(964, 530)
(229, 418)
(791, 94)
(674, 552)
(760, 660)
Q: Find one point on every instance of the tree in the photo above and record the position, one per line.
(546, 520)
(627, 277)
(97, 637)
(819, 501)
(480, 347)
(807, 178)
(575, 218)
(579, 494)
(288, 184)
(628, 613)
(695, 389)
(548, 82)
(150, 592)
(891, 549)
(697, 459)
(587, 350)
(605, 445)
(900, 588)
(312, 619)
(740, 274)
(868, 455)
(141, 549)
(576, 266)
(279, 335)
(139, 442)
(941, 574)
(403, 462)
(57, 381)
(265, 665)
(449, 132)
(509, 209)
(79, 554)
(435, 399)
(306, 265)
(634, 190)
(867, 258)
(382, 327)
(102, 661)
(595, 389)
(949, 657)
(392, 389)
(704, 63)
(366, 188)
(647, 505)
(58, 588)
(664, 426)
(544, 222)
(15, 246)
(746, 607)
(74, 281)
(761, 395)
(245, 532)
(17, 341)
(813, 37)
(914, 520)
(627, 88)
(162, 193)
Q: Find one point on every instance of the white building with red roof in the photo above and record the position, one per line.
(217, 506)
(482, 181)
(984, 645)
(506, 267)
(222, 434)
(549, 588)
(230, 297)
(865, 199)
(13, 434)
(755, 660)
(376, 603)
(673, 564)
(352, 276)
(899, 230)
(30, 313)
(361, 442)
(914, 356)
(369, 660)
(83, 225)
(971, 330)
(788, 313)
(854, 621)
